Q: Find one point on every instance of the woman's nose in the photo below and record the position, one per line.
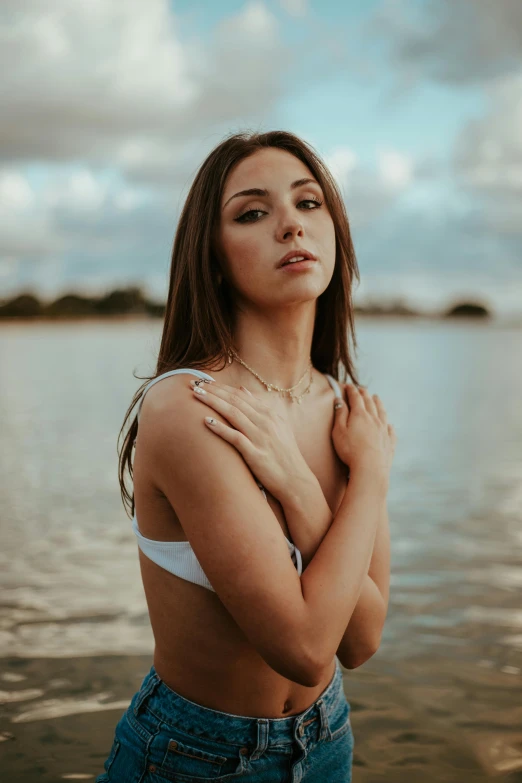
(290, 227)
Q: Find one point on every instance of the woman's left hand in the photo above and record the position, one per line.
(262, 436)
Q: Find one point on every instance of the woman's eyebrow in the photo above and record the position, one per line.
(263, 192)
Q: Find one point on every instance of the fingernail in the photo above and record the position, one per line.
(197, 390)
(248, 392)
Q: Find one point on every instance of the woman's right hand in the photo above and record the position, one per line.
(361, 434)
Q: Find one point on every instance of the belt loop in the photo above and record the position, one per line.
(145, 692)
(325, 726)
(262, 738)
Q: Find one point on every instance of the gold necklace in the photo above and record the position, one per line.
(269, 386)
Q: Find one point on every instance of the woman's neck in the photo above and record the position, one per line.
(276, 348)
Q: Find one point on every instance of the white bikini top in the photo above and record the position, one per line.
(178, 557)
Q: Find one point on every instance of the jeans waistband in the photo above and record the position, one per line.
(173, 709)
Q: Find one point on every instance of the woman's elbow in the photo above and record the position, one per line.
(357, 657)
(300, 669)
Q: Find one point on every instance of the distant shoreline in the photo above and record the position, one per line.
(505, 321)
(130, 304)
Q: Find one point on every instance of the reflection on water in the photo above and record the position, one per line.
(58, 708)
(441, 700)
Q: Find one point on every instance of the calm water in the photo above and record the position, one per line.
(440, 701)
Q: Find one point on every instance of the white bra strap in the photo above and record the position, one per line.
(199, 373)
(334, 384)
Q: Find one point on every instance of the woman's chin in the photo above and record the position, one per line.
(298, 295)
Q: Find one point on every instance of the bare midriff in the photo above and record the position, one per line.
(203, 655)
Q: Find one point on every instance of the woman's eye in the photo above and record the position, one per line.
(244, 218)
(313, 201)
(250, 215)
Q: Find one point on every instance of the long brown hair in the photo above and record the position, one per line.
(199, 314)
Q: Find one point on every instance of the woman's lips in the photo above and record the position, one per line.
(297, 252)
(298, 265)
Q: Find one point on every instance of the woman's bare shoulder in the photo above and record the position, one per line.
(168, 392)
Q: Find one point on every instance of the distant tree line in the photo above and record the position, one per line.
(132, 301)
(458, 310)
(124, 301)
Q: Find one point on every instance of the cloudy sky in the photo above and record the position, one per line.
(108, 108)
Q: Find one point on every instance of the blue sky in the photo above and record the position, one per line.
(416, 105)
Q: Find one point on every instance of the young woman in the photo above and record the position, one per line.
(263, 566)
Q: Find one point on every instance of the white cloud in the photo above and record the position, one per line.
(459, 42)
(8, 267)
(369, 192)
(24, 229)
(129, 198)
(342, 162)
(464, 44)
(117, 110)
(87, 74)
(395, 168)
(488, 161)
(254, 20)
(295, 7)
(78, 190)
(488, 154)
(111, 80)
(15, 191)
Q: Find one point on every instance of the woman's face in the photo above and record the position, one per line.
(257, 230)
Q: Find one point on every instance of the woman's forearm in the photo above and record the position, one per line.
(333, 579)
(363, 633)
(362, 636)
(379, 569)
(309, 517)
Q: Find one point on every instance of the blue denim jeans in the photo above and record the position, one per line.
(163, 736)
